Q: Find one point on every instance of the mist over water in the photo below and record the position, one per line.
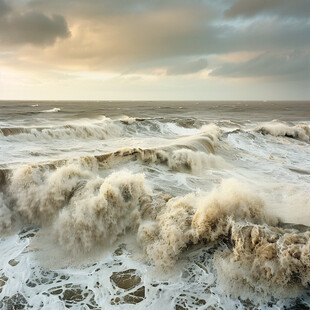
(148, 205)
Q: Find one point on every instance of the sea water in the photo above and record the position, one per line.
(154, 205)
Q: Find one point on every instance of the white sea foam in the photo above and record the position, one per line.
(160, 212)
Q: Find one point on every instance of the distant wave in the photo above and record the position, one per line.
(51, 110)
(299, 132)
(101, 130)
(189, 154)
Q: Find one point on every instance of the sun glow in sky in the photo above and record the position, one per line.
(155, 50)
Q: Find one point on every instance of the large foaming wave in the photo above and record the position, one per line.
(259, 258)
(83, 211)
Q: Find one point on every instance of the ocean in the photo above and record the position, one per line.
(154, 205)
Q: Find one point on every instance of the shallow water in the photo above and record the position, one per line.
(178, 205)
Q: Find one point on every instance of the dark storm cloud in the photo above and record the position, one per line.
(270, 34)
(249, 8)
(144, 36)
(4, 8)
(109, 8)
(142, 31)
(30, 27)
(139, 41)
(188, 67)
(295, 65)
(91, 7)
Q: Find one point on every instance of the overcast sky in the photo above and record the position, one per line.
(155, 50)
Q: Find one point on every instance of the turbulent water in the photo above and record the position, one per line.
(154, 205)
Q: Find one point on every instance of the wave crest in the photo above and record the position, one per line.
(103, 130)
(299, 132)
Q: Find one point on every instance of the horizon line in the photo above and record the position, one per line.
(157, 100)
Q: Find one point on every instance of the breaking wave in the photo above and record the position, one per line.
(82, 210)
(260, 258)
(264, 261)
(196, 217)
(176, 158)
(40, 191)
(188, 154)
(299, 132)
(103, 130)
(101, 212)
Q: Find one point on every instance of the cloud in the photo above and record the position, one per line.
(4, 8)
(294, 65)
(132, 42)
(150, 37)
(125, 36)
(92, 8)
(30, 27)
(270, 34)
(188, 67)
(109, 8)
(290, 8)
(129, 41)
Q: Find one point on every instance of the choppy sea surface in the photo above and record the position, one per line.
(154, 205)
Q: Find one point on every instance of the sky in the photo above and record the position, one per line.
(155, 50)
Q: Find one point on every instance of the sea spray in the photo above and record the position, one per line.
(264, 261)
(5, 217)
(100, 212)
(40, 192)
